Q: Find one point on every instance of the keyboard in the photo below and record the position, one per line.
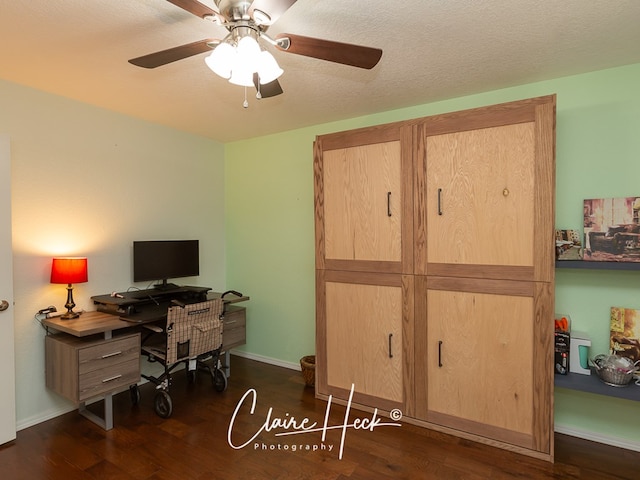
(147, 314)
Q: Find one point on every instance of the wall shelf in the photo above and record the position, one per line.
(593, 384)
(581, 264)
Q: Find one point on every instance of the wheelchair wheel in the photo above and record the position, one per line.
(162, 404)
(134, 392)
(219, 379)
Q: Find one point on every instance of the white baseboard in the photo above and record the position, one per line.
(269, 360)
(597, 437)
(48, 415)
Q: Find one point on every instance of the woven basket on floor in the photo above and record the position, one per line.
(308, 365)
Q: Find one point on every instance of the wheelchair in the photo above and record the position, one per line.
(191, 337)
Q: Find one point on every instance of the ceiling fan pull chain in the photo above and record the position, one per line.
(245, 104)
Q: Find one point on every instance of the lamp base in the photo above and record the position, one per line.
(70, 315)
(69, 305)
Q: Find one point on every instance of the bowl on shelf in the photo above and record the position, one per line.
(614, 370)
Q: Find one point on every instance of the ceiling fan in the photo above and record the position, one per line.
(246, 19)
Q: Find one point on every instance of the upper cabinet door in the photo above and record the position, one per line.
(363, 200)
(481, 183)
(485, 192)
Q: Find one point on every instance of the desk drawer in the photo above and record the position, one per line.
(109, 378)
(234, 317)
(234, 332)
(108, 353)
(234, 337)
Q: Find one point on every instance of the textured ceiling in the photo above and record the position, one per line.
(433, 50)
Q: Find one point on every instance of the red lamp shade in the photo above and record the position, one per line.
(69, 270)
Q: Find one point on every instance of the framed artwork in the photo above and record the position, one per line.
(625, 332)
(568, 245)
(612, 229)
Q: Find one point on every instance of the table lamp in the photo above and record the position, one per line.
(69, 270)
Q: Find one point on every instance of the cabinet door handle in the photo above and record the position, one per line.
(111, 354)
(439, 201)
(390, 353)
(439, 353)
(111, 379)
(388, 204)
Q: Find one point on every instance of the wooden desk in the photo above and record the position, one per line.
(89, 323)
(86, 360)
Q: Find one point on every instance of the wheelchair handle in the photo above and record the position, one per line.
(234, 292)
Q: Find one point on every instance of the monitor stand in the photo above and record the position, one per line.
(165, 286)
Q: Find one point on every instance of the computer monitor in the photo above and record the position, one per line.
(162, 260)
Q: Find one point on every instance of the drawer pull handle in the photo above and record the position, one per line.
(439, 201)
(440, 353)
(112, 354)
(388, 204)
(390, 354)
(111, 379)
(229, 322)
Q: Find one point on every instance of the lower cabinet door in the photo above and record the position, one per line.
(480, 361)
(363, 322)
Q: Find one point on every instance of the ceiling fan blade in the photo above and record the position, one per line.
(195, 7)
(267, 90)
(273, 8)
(345, 53)
(163, 57)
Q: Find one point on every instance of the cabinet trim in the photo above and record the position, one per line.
(520, 111)
(480, 285)
(501, 434)
(544, 192)
(497, 272)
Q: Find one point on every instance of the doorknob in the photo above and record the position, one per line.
(4, 305)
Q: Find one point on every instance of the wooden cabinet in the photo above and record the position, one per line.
(462, 267)
(485, 210)
(364, 337)
(363, 197)
(80, 368)
(485, 192)
(364, 245)
(481, 366)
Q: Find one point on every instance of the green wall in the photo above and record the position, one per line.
(270, 225)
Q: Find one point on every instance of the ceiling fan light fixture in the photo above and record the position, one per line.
(268, 68)
(221, 60)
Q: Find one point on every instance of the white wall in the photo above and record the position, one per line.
(87, 182)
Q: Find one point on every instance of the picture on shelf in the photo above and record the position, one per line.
(568, 245)
(625, 332)
(612, 229)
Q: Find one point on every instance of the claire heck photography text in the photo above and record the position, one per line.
(292, 434)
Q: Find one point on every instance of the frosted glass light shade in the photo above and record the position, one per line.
(242, 74)
(221, 60)
(248, 51)
(268, 68)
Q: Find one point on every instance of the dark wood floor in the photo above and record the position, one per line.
(193, 443)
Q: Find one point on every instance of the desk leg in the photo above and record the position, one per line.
(107, 421)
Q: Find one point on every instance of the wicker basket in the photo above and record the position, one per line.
(308, 365)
